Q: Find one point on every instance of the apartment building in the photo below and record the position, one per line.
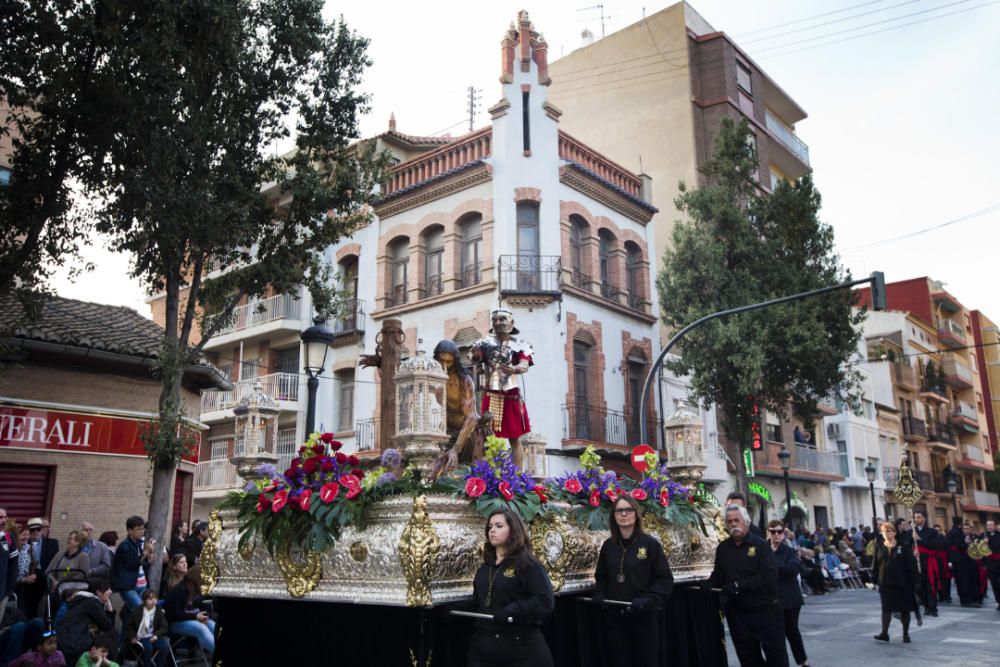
(518, 213)
(986, 335)
(926, 345)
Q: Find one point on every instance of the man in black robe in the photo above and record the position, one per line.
(992, 562)
(927, 539)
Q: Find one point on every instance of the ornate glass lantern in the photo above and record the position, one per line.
(256, 431)
(421, 402)
(685, 447)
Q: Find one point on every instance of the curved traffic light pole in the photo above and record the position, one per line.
(877, 280)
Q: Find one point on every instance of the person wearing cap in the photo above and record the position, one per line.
(45, 654)
(504, 358)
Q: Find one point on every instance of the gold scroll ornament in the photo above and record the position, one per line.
(419, 546)
(208, 561)
(907, 491)
(300, 577)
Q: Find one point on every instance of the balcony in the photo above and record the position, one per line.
(951, 334)
(804, 460)
(940, 433)
(797, 150)
(433, 286)
(366, 435)
(575, 151)
(530, 275)
(397, 295)
(923, 480)
(914, 429)
(906, 377)
(933, 391)
(215, 475)
(470, 276)
(956, 373)
(351, 320)
(606, 427)
(282, 387)
(964, 415)
(283, 310)
(941, 484)
(944, 300)
(286, 448)
(984, 499)
(974, 458)
(891, 477)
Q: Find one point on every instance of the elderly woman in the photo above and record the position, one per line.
(896, 574)
(789, 593)
(72, 564)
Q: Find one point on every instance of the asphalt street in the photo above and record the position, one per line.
(838, 628)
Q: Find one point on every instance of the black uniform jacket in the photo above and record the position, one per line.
(789, 567)
(522, 592)
(895, 567)
(750, 567)
(929, 538)
(647, 572)
(993, 539)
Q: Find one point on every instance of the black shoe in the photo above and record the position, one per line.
(931, 612)
(906, 639)
(882, 637)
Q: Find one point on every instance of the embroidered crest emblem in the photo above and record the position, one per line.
(752, 551)
(509, 572)
(641, 555)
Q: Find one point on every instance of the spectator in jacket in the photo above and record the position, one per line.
(173, 573)
(896, 573)
(132, 557)
(195, 542)
(100, 555)
(8, 562)
(86, 609)
(183, 614)
(177, 537)
(146, 628)
(71, 565)
(789, 593)
(49, 547)
(45, 654)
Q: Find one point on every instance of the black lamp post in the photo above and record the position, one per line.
(870, 472)
(785, 457)
(953, 489)
(317, 339)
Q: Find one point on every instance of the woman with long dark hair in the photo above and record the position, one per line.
(514, 589)
(789, 593)
(632, 567)
(895, 572)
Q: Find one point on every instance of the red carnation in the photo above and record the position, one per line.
(336, 444)
(280, 500)
(353, 460)
(573, 485)
(474, 487)
(326, 437)
(263, 503)
(304, 499)
(664, 498)
(595, 498)
(540, 492)
(638, 494)
(341, 458)
(504, 489)
(329, 491)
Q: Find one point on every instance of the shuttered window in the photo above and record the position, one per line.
(25, 491)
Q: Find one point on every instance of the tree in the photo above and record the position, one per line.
(191, 188)
(741, 246)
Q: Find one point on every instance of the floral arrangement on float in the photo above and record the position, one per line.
(592, 491)
(495, 483)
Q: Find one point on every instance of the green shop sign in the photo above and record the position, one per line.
(760, 491)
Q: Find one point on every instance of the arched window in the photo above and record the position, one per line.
(399, 259)
(577, 241)
(581, 409)
(633, 279)
(470, 266)
(605, 244)
(434, 261)
(636, 377)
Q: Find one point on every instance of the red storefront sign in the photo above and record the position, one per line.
(37, 428)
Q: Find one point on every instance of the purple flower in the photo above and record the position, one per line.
(267, 470)
(385, 478)
(249, 487)
(391, 459)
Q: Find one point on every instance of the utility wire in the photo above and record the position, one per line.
(820, 25)
(808, 18)
(975, 214)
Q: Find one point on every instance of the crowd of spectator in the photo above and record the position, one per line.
(56, 601)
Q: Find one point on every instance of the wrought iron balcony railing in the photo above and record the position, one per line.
(352, 318)
(612, 427)
(529, 274)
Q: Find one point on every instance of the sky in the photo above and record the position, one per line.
(902, 127)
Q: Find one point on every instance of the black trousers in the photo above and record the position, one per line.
(993, 574)
(525, 649)
(928, 596)
(633, 640)
(793, 635)
(757, 630)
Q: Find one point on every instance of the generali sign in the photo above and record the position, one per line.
(36, 428)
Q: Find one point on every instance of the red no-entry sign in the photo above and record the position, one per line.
(639, 457)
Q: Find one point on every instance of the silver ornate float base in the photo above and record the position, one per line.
(420, 552)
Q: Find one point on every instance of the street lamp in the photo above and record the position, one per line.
(317, 339)
(870, 472)
(785, 457)
(952, 483)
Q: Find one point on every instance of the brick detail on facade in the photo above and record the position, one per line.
(527, 194)
(592, 334)
(349, 250)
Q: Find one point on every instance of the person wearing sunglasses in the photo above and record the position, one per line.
(632, 567)
(789, 592)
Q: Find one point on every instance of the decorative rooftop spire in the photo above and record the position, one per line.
(392, 122)
(532, 47)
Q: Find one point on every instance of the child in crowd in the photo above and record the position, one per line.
(97, 656)
(46, 653)
(146, 628)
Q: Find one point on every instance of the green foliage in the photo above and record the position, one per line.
(741, 246)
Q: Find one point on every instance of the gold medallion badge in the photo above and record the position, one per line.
(509, 572)
(642, 553)
(752, 551)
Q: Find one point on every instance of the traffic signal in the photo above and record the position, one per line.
(878, 291)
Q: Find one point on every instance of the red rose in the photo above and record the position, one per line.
(304, 499)
(612, 496)
(318, 449)
(540, 492)
(329, 491)
(504, 489)
(326, 437)
(336, 444)
(326, 465)
(341, 458)
(353, 460)
(310, 465)
(353, 493)
(474, 487)
(638, 494)
(263, 503)
(573, 485)
(595, 498)
(302, 449)
(358, 472)
(664, 498)
(280, 500)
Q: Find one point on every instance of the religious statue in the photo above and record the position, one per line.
(504, 358)
(466, 429)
